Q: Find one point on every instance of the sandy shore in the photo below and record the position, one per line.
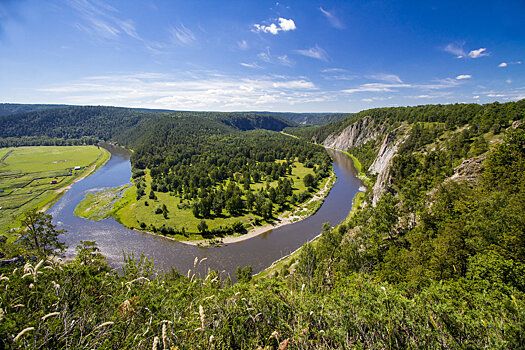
(285, 219)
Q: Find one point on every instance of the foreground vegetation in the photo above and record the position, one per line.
(462, 287)
(438, 262)
(34, 177)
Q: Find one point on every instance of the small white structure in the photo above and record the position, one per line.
(77, 168)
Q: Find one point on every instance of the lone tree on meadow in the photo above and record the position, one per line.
(39, 234)
(309, 180)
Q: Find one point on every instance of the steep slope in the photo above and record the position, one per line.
(377, 136)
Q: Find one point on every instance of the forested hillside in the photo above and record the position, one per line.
(484, 117)
(450, 276)
(435, 259)
(111, 123)
(16, 108)
(310, 118)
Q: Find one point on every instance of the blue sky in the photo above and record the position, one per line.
(299, 56)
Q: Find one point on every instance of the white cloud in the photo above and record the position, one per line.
(250, 65)
(340, 77)
(391, 78)
(243, 44)
(194, 90)
(372, 99)
(476, 97)
(505, 64)
(285, 25)
(478, 53)
(463, 76)
(439, 84)
(314, 52)
(100, 20)
(334, 70)
(295, 84)
(456, 49)
(376, 87)
(508, 81)
(181, 35)
(272, 28)
(337, 74)
(392, 87)
(334, 21)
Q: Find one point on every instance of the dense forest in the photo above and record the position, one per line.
(438, 262)
(207, 159)
(493, 116)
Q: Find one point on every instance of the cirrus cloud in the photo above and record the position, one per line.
(314, 52)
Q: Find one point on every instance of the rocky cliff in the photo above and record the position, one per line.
(382, 163)
(360, 133)
(355, 135)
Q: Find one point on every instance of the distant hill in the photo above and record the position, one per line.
(115, 123)
(16, 108)
(299, 118)
(310, 118)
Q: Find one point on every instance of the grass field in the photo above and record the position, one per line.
(131, 212)
(35, 177)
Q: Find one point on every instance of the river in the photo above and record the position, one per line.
(261, 251)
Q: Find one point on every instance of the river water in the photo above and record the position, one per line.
(261, 251)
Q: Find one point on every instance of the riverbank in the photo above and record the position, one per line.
(88, 171)
(302, 212)
(286, 264)
(36, 177)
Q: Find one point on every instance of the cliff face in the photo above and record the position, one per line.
(355, 135)
(360, 133)
(382, 163)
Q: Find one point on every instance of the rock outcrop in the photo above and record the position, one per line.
(355, 135)
(383, 162)
(469, 170)
(360, 133)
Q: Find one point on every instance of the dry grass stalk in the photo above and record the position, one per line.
(164, 340)
(201, 313)
(155, 343)
(109, 323)
(23, 332)
(50, 315)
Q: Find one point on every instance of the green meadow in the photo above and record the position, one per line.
(35, 177)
